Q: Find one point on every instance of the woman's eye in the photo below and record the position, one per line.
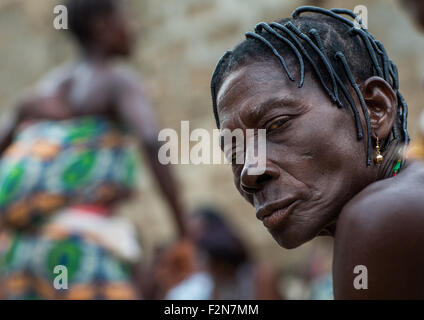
(237, 157)
(277, 124)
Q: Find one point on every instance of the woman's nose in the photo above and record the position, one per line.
(252, 181)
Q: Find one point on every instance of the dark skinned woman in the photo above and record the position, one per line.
(328, 96)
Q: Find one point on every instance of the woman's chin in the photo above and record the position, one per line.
(291, 239)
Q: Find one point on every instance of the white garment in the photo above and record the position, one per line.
(116, 233)
(198, 286)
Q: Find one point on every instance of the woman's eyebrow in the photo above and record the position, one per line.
(252, 115)
(259, 110)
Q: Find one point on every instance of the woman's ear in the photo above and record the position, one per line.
(381, 102)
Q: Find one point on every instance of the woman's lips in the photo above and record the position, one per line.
(275, 215)
(276, 218)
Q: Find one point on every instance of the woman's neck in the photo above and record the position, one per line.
(391, 157)
(383, 171)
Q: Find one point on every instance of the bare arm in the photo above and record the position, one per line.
(31, 106)
(9, 123)
(11, 119)
(135, 110)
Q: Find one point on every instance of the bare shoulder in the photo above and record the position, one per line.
(400, 198)
(381, 229)
(54, 79)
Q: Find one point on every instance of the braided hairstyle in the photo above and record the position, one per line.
(339, 52)
(82, 12)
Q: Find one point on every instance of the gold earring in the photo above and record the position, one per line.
(379, 158)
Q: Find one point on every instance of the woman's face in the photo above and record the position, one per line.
(113, 32)
(314, 164)
(123, 32)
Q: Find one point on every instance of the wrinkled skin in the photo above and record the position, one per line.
(316, 180)
(313, 164)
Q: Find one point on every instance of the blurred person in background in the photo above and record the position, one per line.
(415, 9)
(68, 157)
(213, 265)
(319, 273)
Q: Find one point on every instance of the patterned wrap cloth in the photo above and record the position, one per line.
(54, 178)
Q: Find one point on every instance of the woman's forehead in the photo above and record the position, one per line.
(254, 84)
(251, 80)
